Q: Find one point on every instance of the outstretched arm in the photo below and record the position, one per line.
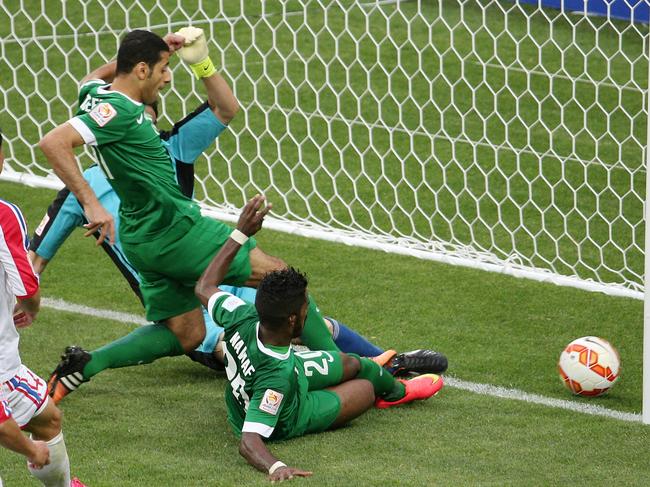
(253, 449)
(58, 145)
(195, 52)
(221, 99)
(250, 222)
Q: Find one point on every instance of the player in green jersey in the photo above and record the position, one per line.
(162, 231)
(274, 392)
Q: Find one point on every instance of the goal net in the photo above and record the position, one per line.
(495, 134)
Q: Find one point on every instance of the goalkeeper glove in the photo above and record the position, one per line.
(195, 52)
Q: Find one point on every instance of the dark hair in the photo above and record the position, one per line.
(139, 46)
(0, 138)
(279, 295)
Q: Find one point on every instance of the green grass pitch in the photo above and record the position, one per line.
(164, 424)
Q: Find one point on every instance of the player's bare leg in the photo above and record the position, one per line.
(261, 264)
(46, 426)
(351, 367)
(356, 396)
(189, 328)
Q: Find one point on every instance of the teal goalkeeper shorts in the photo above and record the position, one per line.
(170, 265)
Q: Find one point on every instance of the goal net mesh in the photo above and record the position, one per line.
(487, 133)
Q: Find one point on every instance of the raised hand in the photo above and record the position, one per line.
(174, 42)
(195, 45)
(252, 215)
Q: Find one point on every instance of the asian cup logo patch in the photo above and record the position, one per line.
(103, 113)
(271, 402)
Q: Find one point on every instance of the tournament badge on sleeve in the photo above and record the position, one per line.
(271, 402)
(103, 113)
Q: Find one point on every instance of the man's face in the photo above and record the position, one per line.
(158, 77)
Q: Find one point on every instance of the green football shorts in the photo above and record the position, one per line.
(320, 407)
(170, 265)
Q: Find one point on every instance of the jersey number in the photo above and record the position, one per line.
(237, 383)
(89, 103)
(316, 361)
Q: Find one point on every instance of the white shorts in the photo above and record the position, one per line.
(26, 395)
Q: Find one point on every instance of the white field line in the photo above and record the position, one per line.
(462, 140)
(106, 314)
(476, 388)
(550, 75)
(517, 395)
(194, 22)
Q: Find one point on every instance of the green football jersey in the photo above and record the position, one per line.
(134, 160)
(267, 384)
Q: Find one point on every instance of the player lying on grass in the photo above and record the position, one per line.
(186, 140)
(274, 392)
(154, 213)
(24, 403)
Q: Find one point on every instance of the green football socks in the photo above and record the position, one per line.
(383, 382)
(142, 346)
(315, 334)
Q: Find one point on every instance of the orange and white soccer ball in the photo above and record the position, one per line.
(589, 366)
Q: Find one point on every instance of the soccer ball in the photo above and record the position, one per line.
(589, 366)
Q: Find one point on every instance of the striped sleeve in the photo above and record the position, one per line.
(13, 251)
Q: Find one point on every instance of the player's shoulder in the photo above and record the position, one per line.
(12, 219)
(91, 83)
(11, 214)
(117, 100)
(91, 86)
(272, 373)
(228, 304)
(89, 90)
(274, 362)
(116, 110)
